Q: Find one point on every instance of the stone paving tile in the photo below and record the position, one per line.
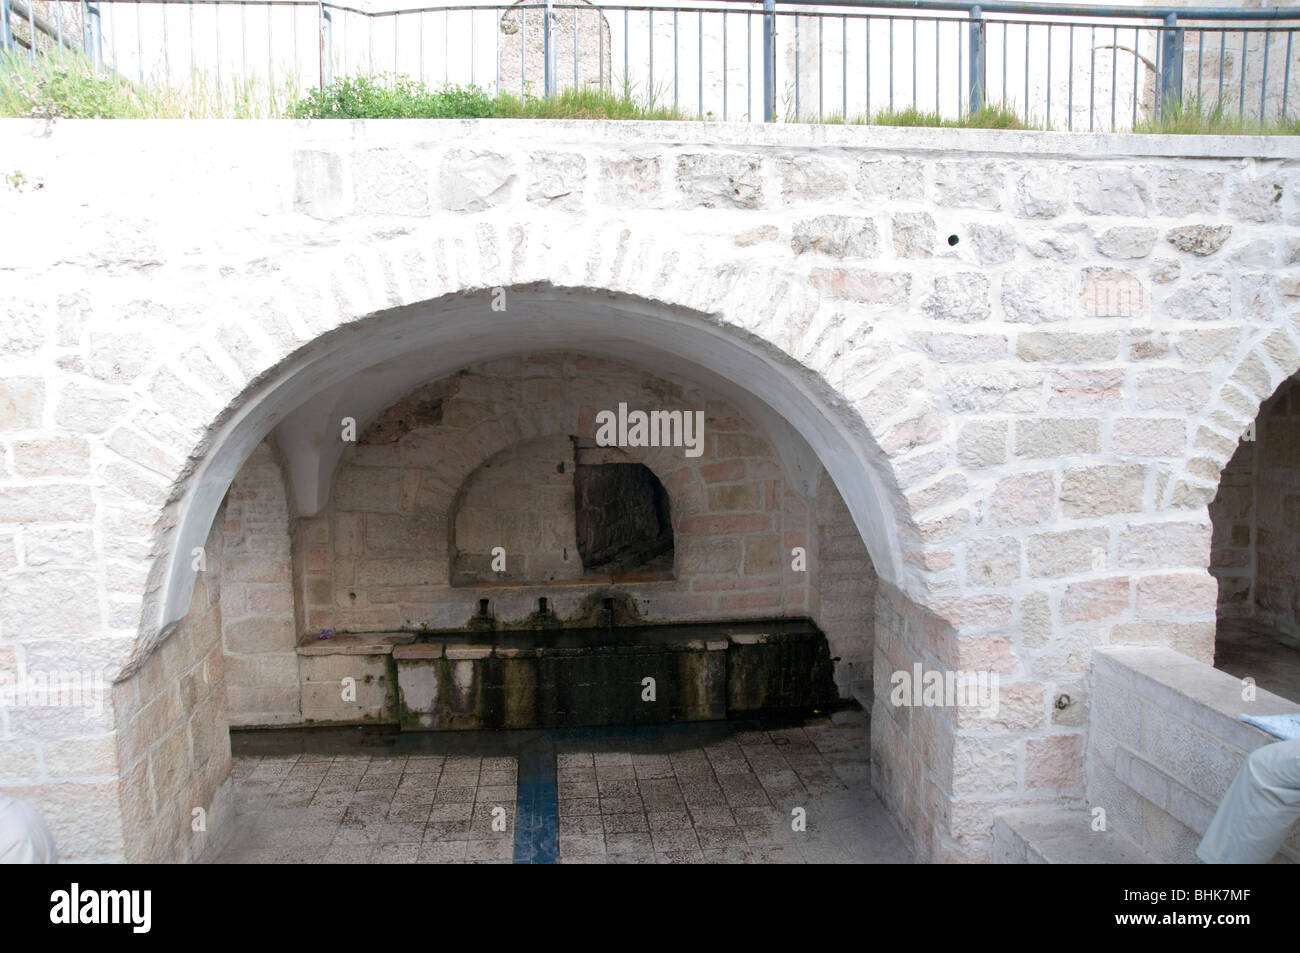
(730, 801)
(727, 801)
(355, 809)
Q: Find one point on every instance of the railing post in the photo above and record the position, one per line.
(92, 32)
(6, 37)
(975, 61)
(548, 52)
(769, 60)
(1171, 64)
(325, 23)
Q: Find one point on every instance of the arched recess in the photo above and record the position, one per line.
(1211, 459)
(601, 517)
(1255, 552)
(309, 393)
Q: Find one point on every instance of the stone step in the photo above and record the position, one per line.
(1059, 835)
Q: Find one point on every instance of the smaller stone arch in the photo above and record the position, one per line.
(555, 509)
(582, 58)
(1259, 369)
(1255, 516)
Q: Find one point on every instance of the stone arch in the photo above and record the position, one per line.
(1261, 362)
(1244, 444)
(749, 327)
(522, 43)
(475, 420)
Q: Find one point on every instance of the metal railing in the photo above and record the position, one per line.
(1058, 66)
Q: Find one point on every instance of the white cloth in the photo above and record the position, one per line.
(1258, 810)
(24, 838)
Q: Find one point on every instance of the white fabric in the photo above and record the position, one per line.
(24, 838)
(1258, 810)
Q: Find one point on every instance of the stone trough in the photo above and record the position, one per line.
(457, 680)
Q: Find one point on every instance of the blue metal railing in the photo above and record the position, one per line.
(1056, 65)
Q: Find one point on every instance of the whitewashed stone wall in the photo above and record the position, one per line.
(1026, 425)
(843, 586)
(172, 746)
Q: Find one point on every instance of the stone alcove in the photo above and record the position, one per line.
(552, 510)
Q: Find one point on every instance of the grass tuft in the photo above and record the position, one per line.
(400, 97)
(1198, 119)
(64, 85)
(989, 117)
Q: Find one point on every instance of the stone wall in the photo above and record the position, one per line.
(520, 501)
(173, 739)
(257, 597)
(1023, 359)
(1232, 514)
(843, 586)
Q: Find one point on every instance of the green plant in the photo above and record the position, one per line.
(392, 97)
(62, 86)
(401, 97)
(1196, 118)
(66, 85)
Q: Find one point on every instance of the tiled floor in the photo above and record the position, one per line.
(728, 801)
(1246, 649)
(371, 808)
(695, 794)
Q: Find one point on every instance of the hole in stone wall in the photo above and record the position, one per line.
(623, 518)
(482, 607)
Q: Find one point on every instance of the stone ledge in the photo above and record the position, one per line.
(271, 133)
(1202, 695)
(365, 643)
(594, 581)
(418, 650)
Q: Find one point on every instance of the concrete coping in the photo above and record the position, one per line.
(270, 133)
(362, 643)
(1208, 697)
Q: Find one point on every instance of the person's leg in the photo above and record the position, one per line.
(1258, 810)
